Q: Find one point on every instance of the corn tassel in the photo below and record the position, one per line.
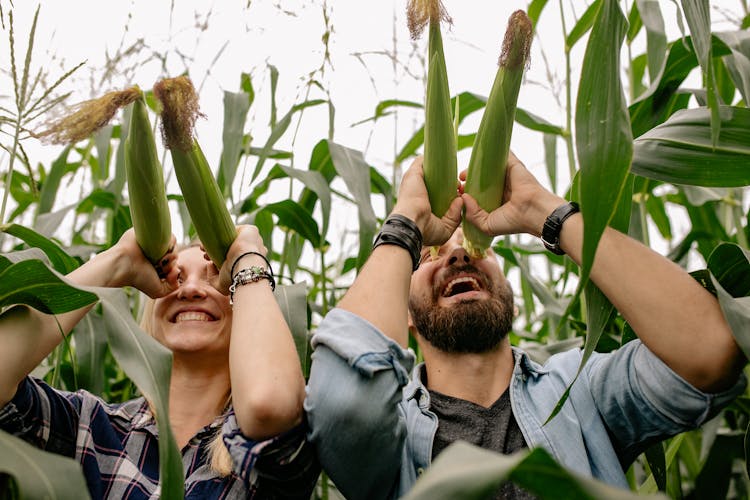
(148, 200)
(203, 198)
(485, 179)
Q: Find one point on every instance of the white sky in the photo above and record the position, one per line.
(220, 39)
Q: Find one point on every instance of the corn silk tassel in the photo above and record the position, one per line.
(145, 179)
(440, 164)
(485, 180)
(86, 118)
(203, 198)
(148, 197)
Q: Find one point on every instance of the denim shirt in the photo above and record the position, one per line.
(374, 430)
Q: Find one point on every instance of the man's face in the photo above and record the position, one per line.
(459, 304)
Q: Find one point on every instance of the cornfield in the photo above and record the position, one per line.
(647, 130)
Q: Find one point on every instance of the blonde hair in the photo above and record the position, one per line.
(219, 459)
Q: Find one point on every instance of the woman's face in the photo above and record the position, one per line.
(196, 317)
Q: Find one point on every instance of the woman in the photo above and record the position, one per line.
(236, 389)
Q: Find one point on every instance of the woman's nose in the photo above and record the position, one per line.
(192, 288)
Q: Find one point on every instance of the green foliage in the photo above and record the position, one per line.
(683, 156)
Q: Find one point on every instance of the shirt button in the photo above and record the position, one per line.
(420, 471)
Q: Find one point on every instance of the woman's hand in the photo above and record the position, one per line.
(248, 240)
(130, 267)
(414, 203)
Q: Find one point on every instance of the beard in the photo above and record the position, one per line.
(471, 326)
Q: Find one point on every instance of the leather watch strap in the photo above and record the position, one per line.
(553, 226)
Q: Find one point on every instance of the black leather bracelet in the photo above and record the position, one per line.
(401, 231)
(553, 226)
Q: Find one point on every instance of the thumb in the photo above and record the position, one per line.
(492, 223)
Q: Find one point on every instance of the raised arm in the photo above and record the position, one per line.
(670, 311)
(267, 383)
(28, 336)
(383, 283)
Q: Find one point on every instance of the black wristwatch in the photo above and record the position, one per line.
(553, 226)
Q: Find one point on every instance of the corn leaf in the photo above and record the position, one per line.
(537, 123)
(603, 135)
(292, 216)
(60, 260)
(40, 474)
(738, 62)
(584, 24)
(91, 347)
(24, 279)
(236, 107)
(292, 300)
(660, 100)
(714, 478)
(635, 23)
(51, 184)
(149, 365)
(469, 472)
(656, 37)
(354, 170)
(277, 131)
(120, 178)
(681, 151)
(384, 108)
(698, 16)
(535, 10)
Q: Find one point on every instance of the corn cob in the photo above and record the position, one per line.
(440, 169)
(203, 198)
(485, 180)
(148, 199)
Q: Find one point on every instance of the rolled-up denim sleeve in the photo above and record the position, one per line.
(353, 405)
(642, 400)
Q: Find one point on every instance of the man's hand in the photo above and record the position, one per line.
(414, 203)
(526, 204)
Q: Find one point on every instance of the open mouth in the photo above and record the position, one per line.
(464, 284)
(193, 316)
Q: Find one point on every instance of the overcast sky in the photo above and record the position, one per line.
(217, 41)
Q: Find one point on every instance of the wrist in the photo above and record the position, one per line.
(539, 209)
(415, 216)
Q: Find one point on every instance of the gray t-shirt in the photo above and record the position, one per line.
(492, 428)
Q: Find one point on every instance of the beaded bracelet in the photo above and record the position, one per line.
(234, 264)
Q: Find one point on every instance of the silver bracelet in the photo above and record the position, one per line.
(252, 274)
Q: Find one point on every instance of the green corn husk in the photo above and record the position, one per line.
(440, 163)
(148, 199)
(203, 198)
(485, 180)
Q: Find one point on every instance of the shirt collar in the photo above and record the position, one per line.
(416, 388)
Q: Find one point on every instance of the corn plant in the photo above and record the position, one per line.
(665, 149)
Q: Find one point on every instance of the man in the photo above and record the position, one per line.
(376, 430)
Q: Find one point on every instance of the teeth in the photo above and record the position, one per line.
(466, 279)
(192, 316)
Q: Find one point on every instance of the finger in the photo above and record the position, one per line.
(475, 213)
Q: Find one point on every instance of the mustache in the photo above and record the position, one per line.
(484, 279)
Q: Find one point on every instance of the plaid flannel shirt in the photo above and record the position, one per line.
(116, 445)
